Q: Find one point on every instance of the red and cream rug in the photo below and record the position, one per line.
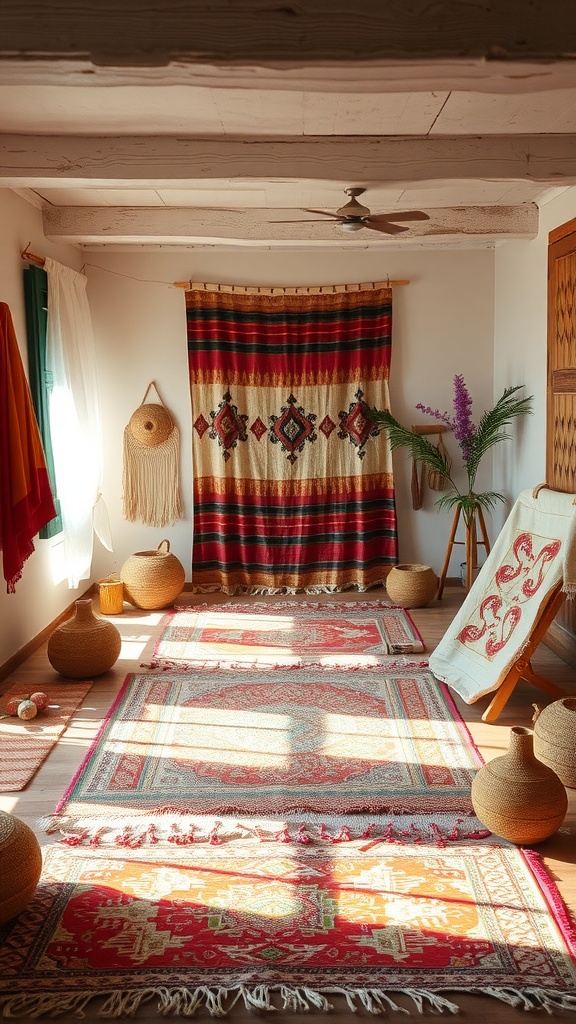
(260, 743)
(287, 634)
(372, 927)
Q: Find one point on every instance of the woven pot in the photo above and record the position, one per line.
(84, 645)
(20, 866)
(153, 579)
(555, 738)
(411, 586)
(516, 796)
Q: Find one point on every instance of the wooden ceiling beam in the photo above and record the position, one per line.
(173, 226)
(156, 162)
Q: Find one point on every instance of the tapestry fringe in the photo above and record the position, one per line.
(327, 588)
(220, 1001)
(187, 830)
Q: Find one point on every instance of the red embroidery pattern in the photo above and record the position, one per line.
(517, 581)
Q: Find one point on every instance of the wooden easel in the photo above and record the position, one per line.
(522, 669)
(471, 543)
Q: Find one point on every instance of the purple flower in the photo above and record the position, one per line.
(463, 427)
(443, 416)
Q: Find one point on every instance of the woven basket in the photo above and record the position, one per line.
(411, 586)
(84, 645)
(516, 796)
(153, 579)
(555, 738)
(20, 866)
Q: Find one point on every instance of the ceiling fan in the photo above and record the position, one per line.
(353, 216)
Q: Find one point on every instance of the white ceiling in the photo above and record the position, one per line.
(228, 157)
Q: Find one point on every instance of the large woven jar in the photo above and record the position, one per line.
(85, 645)
(555, 738)
(153, 579)
(516, 796)
(20, 866)
(411, 586)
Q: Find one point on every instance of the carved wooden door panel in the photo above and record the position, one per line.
(561, 402)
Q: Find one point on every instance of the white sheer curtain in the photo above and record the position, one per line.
(75, 425)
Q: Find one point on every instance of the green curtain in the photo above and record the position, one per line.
(36, 298)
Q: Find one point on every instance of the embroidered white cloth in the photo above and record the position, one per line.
(534, 550)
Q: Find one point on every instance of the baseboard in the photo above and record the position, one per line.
(25, 652)
(562, 643)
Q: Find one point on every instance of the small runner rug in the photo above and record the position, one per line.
(285, 634)
(250, 742)
(378, 928)
(24, 745)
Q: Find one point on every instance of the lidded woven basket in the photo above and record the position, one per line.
(555, 738)
(518, 797)
(411, 585)
(153, 579)
(85, 645)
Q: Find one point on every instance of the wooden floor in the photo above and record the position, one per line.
(138, 628)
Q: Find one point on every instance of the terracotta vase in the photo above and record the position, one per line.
(20, 865)
(555, 738)
(153, 579)
(411, 586)
(516, 796)
(85, 645)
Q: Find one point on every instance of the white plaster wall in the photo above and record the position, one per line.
(38, 600)
(443, 325)
(520, 327)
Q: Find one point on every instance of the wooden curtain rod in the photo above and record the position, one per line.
(281, 288)
(31, 256)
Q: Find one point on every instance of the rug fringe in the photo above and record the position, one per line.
(185, 831)
(220, 1001)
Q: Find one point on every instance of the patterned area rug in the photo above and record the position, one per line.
(244, 742)
(25, 745)
(298, 928)
(286, 634)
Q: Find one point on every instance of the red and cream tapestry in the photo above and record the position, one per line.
(267, 743)
(293, 487)
(374, 928)
(287, 634)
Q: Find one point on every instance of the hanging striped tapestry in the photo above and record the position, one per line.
(293, 487)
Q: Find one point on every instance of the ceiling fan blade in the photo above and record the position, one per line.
(401, 216)
(325, 213)
(385, 226)
(309, 220)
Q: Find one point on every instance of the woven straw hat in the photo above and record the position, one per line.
(151, 424)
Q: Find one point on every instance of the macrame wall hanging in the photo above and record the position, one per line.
(151, 477)
(436, 482)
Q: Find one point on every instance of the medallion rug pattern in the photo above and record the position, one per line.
(295, 928)
(248, 742)
(287, 634)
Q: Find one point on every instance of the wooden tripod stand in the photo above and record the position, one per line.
(470, 542)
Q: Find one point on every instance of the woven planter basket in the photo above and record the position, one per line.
(84, 645)
(20, 866)
(411, 586)
(153, 579)
(555, 738)
(516, 796)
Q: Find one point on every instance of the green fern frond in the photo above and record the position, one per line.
(421, 449)
(491, 426)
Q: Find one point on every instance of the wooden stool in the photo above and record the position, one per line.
(471, 543)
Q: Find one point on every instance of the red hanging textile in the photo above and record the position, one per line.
(26, 502)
